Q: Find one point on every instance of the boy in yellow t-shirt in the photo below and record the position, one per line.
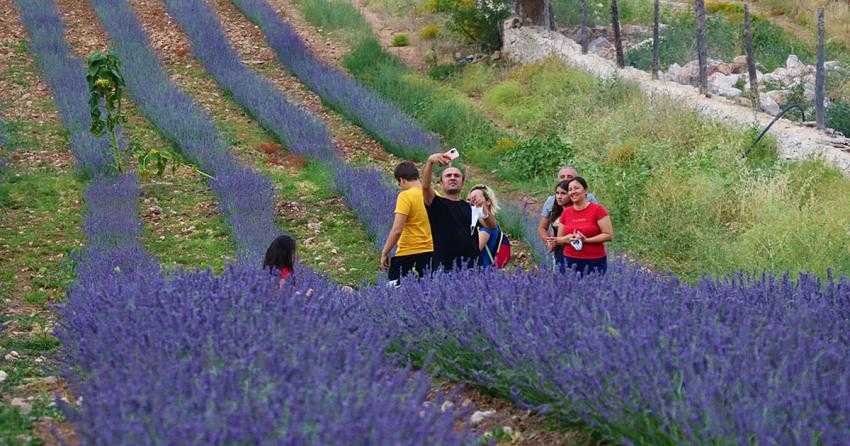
(411, 229)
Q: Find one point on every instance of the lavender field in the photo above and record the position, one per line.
(154, 356)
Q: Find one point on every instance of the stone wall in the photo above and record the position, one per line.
(527, 44)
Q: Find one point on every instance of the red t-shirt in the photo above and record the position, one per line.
(284, 273)
(585, 221)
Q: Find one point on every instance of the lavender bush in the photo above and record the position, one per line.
(363, 189)
(111, 224)
(642, 359)
(247, 198)
(234, 360)
(396, 131)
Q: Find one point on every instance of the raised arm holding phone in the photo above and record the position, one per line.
(455, 245)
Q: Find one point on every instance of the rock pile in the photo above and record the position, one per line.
(730, 80)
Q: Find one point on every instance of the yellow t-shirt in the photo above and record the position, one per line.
(416, 235)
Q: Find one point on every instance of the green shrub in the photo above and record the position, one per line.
(400, 40)
(443, 72)
(477, 22)
(838, 117)
(429, 32)
(537, 157)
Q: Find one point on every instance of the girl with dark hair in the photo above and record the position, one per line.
(548, 227)
(280, 255)
(584, 229)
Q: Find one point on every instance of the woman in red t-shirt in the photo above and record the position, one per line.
(280, 256)
(584, 229)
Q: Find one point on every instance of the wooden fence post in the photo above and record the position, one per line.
(618, 40)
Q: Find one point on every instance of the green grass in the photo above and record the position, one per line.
(337, 16)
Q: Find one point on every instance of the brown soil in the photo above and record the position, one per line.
(249, 41)
(528, 428)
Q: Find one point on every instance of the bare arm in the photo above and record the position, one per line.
(483, 238)
(607, 231)
(543, 228)
(427, 176)
(392, 238)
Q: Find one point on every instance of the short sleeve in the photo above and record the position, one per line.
(547, 206)
(601, 212)
(403, 204)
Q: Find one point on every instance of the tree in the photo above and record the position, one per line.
(820, 74)
(618, 40)
(535, 12)
(702, 46)
(751, 59)
(656, 12)
(584, 32)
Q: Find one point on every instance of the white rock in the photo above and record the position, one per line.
(480, 415)
(777, 96)
(22, 405)
(809, 92)
(599, 45)
(3, 376)
(794, 66)
(832, 65)
(446, 406)
(769, 106)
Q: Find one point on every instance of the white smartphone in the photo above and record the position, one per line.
(452, 153)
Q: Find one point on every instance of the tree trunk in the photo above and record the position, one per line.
(751, 59)
(584, 31)
(618, 40)
(820, 75)
(656, 12)
(535, 12)
(702, 47)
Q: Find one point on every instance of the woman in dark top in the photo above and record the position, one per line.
(280, 255)
(549, 224)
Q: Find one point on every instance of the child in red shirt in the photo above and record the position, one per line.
(584, 229)
(280, 255)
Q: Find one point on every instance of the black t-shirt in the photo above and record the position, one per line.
(450, 228)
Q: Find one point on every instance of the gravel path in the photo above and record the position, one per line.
(530, 44)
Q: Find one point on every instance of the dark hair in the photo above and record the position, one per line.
(406, 170)
(280, 253)
(580, 180)
(557, 208)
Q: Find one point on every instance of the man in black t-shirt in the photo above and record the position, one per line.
(455, 239)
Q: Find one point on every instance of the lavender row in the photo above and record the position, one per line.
(246, 198)
(235, 360)
(111, 223)
(363, 189)
(642, 359)
(382, 120)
